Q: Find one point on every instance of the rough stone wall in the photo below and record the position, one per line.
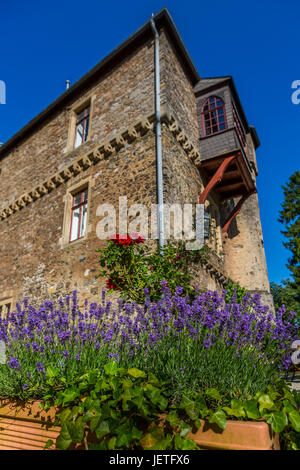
(245, 260)
(34, 265)
(183, 184)
(177, 91)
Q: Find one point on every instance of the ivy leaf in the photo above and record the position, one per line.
(102, 430)
(48, 444)
(64, 439)
(70, 395)
(294, 417)
(98, 446)
(213, 393)
(219, 418)
(111, 368)
(251, 409)
(136, 373)
(184, 429)
(123, 440)
(172, 418)
(112, 443)
(76, 429)
(265, 402)
(287, 406)
(278, 420)
(147, 441)
(184, 444)
(136, 434)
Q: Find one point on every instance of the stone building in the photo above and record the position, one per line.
(97, 142)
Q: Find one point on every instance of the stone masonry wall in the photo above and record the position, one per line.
(34, 265)
(245, 260)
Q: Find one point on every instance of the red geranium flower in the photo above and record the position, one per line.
(112, 283)
(127, 240)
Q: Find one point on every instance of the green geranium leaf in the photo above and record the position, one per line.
(294, 418)
(219, 418)
(278, 420)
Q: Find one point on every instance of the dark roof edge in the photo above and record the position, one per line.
(162, 19)
(255, 137)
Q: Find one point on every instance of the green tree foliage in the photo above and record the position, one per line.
(284, 294)
(289, 216)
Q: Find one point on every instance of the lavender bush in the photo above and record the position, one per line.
(238, 348)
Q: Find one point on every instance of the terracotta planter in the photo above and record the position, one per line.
(26, 426)
(238, 435)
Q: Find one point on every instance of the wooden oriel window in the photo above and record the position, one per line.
(213, 115)
(82, 126)
(79, 215)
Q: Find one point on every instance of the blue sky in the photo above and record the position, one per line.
(45, 43)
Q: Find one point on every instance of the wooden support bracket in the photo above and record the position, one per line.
(217, 177)
(235, 212)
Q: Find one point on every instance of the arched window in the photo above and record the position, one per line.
(213, 115)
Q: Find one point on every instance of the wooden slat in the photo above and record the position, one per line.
(18, 434)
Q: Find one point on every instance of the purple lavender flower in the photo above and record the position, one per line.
(13, 363)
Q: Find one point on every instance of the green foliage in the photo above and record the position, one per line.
(234, 289)
(284, 294)
(134, 268)
(118, 408)
(289, 216)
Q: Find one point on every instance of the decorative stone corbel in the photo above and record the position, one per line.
(131, 134)
(96, 156)
(107, 148)
(34, 194)
(118, 142)
(76, 167)
(57, 179)
(86, 161)
(67, 173)
(42, 189)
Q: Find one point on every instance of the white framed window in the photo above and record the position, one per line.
(82, 126)
(79, 215)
